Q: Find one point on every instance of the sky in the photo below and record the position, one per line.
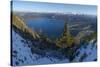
(25, 6)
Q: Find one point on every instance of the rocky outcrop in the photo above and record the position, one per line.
(19, 26)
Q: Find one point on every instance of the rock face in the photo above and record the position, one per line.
(19, 24)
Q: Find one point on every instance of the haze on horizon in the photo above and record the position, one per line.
(26, 6)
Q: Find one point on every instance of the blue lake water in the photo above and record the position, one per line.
(50, 27)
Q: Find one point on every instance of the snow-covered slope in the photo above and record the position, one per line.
(87, 52)
(21, 53)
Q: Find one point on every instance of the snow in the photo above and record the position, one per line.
(22, 55)
(24, 52)
(21, 49)
(90, 51)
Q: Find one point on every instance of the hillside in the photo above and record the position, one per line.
(22, 54)
(30, 47)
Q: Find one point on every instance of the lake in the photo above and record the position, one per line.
(50, 27)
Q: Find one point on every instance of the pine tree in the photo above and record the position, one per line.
(66, 39)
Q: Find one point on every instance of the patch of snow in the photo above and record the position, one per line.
(90, 51)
